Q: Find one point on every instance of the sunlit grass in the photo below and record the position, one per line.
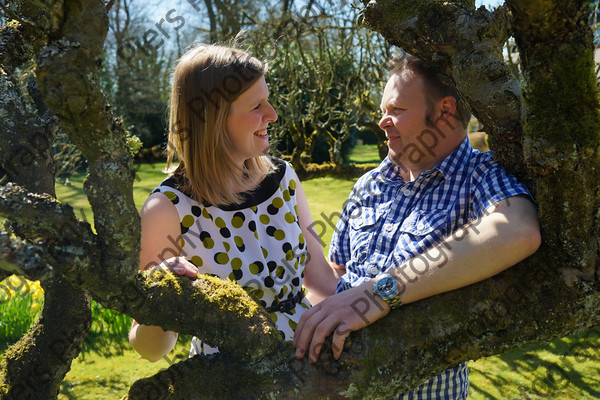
(366, 153)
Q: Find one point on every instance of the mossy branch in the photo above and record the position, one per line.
(218, 311)
(401, 350)
(22, 258)
(67, 73)
(49, 216)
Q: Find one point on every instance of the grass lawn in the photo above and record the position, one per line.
(567, 368)
(366, 153)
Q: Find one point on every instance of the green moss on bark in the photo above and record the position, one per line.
(572, 120)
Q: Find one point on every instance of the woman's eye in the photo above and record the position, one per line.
(257, 107)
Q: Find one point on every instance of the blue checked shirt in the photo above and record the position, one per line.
(387, 221)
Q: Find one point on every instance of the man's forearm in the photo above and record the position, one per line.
(475, 252)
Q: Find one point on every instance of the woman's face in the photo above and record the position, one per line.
(248, 119)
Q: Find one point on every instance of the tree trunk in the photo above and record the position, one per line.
(555, 151)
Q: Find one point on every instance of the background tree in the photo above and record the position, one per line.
(136, 70)
(548, 135)
(324, 76)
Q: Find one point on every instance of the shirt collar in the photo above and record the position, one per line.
(390, 171)
(448, 166)
(456, 160)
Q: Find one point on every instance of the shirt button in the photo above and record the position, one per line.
(373, 270)
(389, 228)
(406, 192)
(420, 226)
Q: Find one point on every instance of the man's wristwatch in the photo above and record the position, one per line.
(386, 287)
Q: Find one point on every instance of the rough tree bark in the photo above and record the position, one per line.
(550, 141)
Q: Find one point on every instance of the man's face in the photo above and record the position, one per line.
(404, 109)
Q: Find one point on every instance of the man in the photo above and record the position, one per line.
(402, 216)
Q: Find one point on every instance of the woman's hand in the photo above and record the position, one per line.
(178, 266)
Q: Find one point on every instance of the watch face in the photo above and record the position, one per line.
(386, 285)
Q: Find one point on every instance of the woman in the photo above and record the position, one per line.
(231, 209)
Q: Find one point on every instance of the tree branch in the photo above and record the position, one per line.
(403, 349)
(47, 214)
(22, 258)
(67, 72)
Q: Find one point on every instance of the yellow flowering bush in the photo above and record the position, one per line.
(20, 303)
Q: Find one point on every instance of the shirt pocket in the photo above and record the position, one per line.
(363, 227)
(427, 223)
(363, 218)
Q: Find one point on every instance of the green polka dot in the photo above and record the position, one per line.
(292, 311)
(264, 219)
(254, 208)
(289, 218)
(279, 271)
(301, 238)
(256, 234)
(292, 184)
(197, 261)
(239, 242)
(187, 221)
(304, 305)
(208, 243)
(289, 255)
(205, 214)
(292, 324)
(219, 222)
(286, 195)
(221, 258)
(302, 258)
(273, 316)
(231, 277)
(265, 252)
(277, 202)
(296, 210)
(279, 234)
(172, 196)
(227, 246)
(253, 269)
(285, 289)
(258, 293)
(237, 222)
(236, 263)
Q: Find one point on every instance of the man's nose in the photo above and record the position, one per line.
(385, 122)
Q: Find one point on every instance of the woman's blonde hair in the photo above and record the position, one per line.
(206, 80)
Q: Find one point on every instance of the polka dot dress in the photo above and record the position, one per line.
(258, 244)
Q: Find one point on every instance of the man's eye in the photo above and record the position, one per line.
(257, 107)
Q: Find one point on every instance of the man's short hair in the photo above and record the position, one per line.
(435, 89)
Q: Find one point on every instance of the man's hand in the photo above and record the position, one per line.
(341, 314)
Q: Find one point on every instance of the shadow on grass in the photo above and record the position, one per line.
(112, 385)
(565, 368)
